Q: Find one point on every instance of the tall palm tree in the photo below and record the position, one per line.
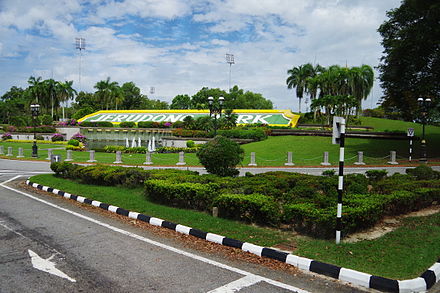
(298, 79)
(361, 81)
(51, 98)
(106, 92)
(66, 92)
(35, 88)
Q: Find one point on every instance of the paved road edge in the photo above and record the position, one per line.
(420, 284)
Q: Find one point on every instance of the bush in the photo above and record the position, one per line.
(190, 144)
(57, 137)
(329, 173)
(127, 124)
(46, 119)
(96, 124)
(6, 136)
(82, 112)
(168, 150)
(80, 137)
(145, 124)
(220, 156)
(133, 150)
(18, 121)
(376, 175)
(255, 208)
(423, 172)
(186, 195)
(73, 142)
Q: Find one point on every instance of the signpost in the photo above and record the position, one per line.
(410, 134)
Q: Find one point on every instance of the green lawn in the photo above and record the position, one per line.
(398, 255)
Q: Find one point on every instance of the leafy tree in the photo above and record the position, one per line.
(181, 102)
(410, 66)
(200, 99)
(13, 103)
(106, 92)
(132, 97)
(220, 156)
(298, 77)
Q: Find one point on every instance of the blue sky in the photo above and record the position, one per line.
(179, 46)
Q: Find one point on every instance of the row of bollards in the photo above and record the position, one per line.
(181, 162)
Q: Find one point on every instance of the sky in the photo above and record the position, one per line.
(179, 46)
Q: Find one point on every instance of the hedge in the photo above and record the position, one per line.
(96, 124)
(255, 208)
(167, 150)
(186, 195)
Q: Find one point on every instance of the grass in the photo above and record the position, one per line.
(402, 254)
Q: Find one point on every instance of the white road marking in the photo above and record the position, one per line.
(47, 266)
(158, 244)
(237, 285)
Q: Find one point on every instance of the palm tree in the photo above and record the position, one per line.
(35, 88)
(298, 79)
(361, 81)
(66, 92)
(106, 92)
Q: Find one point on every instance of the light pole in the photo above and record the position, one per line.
(35, 110)
(80, 45)
(424, 108)
(215, 110)
(230, 61)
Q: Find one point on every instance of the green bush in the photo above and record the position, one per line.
(63, 169)
(423, 172)
(376, 175)
(167, 150)
(73, 142)
(96, 124)
(18, 121)
(127, 124)
(330, 172)
(46, 119)
(82, 112)
(255, 208)
(220, 156)
(186, 195)
(190, 144)
(145, 124)
(129, 150)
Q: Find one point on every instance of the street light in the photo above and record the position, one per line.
(230, 60)
(424, 108)
(215, 110)
(35, 110)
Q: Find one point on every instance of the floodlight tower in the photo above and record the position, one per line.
(230, 61)
(152, 91)
(80, 45)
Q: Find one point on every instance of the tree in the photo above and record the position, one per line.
(220, 156)
(66, 92)
(410, 66)
(181, 102)
(297, 78)
(132, 97)
(106, 92)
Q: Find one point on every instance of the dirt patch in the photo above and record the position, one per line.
(389, 224)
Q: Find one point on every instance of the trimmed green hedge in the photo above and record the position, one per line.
(255, 208)
(187, 195)
(96, 124)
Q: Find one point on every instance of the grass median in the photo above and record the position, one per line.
(402, 254)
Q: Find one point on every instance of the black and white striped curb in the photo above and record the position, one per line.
(420, 284)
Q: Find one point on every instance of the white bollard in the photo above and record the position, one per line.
(9, 152)
(181, 159)
(49, 154)
(252, 163)
(118, 158)
(325, 162)
(360, 160)
(69, 156)
(148, 158)
(289, 160)
(393, 158)
(92, 156)
(20, 153)
(2, 150)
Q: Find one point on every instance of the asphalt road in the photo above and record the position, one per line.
(91, 252)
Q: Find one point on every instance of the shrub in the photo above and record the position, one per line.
(190, 144)
(187, 195)
(423, 172)
(168, 150)
(73, 142)
(46, 119)
(145, 124)
(376, 175)
(57, 137)
(96, 124)
(330, 172)
(6, 136)
(83, 112)
(18, 121)
(127, 124)
(63, 169)
(220, 156)
(80, 137)
(255, 208)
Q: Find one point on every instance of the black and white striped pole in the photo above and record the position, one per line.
(410, 134)
(339, 137)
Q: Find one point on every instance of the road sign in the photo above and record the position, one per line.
(410, 132)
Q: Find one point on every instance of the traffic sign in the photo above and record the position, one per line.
(410, 132)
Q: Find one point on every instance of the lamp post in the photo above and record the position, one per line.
(230, 60)
(35, 110)
(215, 110)
(424, 108)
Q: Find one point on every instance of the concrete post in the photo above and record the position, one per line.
(252, 163)
(69, 156)
(289, 160)
(360, 160)
(118, 158)
(9, 152)
(215, 212)
(325, 162)
(49, 154)
(2, 150)
(92, 156)
(20, 153)
(393, 158)
(181, 159)
(148, 159)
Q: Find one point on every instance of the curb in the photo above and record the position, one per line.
(420, 284)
